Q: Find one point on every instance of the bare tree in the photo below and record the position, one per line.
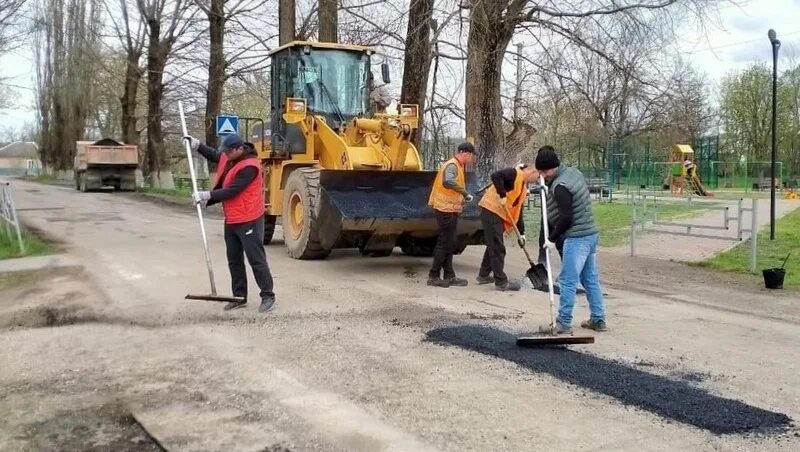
(131, 33)
(286, 21)
(10, 12)
(66, 50)
(493, 24)
(418, 55)
(166, 21)
(328, 21)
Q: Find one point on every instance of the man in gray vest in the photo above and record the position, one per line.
(569, 213)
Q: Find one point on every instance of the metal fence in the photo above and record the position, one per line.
(645, 216)
(8, 215)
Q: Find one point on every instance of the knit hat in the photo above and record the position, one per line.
(547, 159)
(466, 147)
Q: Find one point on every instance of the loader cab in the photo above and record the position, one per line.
(334, 79)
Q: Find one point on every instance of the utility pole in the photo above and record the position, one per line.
(776, 44)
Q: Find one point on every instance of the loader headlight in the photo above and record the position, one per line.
(294, 105)
(409, 111)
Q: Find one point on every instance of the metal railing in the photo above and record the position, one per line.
(8, 214)
(639, 220)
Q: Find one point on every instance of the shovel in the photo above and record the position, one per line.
(213, 295)
(537, 274)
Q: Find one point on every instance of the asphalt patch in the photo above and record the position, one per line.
(668, 398)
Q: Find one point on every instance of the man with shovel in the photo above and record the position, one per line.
(569, 211)
(501, 209)
(238, 186)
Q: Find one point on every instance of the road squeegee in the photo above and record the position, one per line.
(550, 338)
(213, 295)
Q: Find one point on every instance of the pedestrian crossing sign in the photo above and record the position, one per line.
(227, 124)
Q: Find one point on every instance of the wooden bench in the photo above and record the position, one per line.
(595, 184)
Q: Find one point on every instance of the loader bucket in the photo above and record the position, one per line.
(378, 210)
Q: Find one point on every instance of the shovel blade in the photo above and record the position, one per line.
(537, 274)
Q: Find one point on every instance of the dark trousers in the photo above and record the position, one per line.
(445, 245)
(495, 255)
(247, 239)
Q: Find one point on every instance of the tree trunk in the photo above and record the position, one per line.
(133, 76)
(286, 21)
(216, 68)
(328, 21)
(486, 45)
(418, 56)
(156, 61)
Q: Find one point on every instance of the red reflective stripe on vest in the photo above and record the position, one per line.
(249, 204)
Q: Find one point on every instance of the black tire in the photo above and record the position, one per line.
(300, 212)
(269, 227)
(417, 249)
(82, 182)
(376, 253)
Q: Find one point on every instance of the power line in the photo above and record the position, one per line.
(736, 44)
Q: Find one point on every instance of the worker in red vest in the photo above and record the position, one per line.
(238, 186)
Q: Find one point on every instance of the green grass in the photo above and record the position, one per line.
(614, 219)
(43, 179)
(9, 247)
(183, 193)
(770, 253)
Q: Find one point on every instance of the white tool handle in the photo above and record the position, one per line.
(199, 209)
(546, 228)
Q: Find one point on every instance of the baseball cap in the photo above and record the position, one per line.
(231, 142)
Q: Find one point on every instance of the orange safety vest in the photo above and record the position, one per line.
(444, 199)
(514, 200)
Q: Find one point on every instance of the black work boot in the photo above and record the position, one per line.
(438, 282)
(457, 282)
(508, 286)
(266, 304)
(235, 305)
(484, 279)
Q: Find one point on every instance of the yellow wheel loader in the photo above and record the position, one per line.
(338, 174)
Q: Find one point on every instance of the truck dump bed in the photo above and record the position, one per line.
(105, 153)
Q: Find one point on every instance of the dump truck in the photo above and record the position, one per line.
(105, 163)
(338, 174)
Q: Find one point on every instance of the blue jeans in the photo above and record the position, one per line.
(580, 263)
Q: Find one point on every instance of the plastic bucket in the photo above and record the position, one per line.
(773, 278)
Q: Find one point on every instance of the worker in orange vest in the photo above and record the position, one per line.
(447, 199)
(501, 208)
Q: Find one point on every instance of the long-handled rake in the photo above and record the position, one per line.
(213, 295)
(550, 338)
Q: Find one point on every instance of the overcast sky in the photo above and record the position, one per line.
(738, 39)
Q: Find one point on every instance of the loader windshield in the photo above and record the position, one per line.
(334, 83)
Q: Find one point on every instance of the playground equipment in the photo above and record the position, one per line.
(684, 172)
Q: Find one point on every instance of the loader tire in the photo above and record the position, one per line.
(417, 249)
(269, 227)
(301, 206)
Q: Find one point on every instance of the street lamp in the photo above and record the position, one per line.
(776, 44)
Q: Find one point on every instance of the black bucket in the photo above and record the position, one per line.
(773, 277)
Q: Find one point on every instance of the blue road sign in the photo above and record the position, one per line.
(227, 124)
